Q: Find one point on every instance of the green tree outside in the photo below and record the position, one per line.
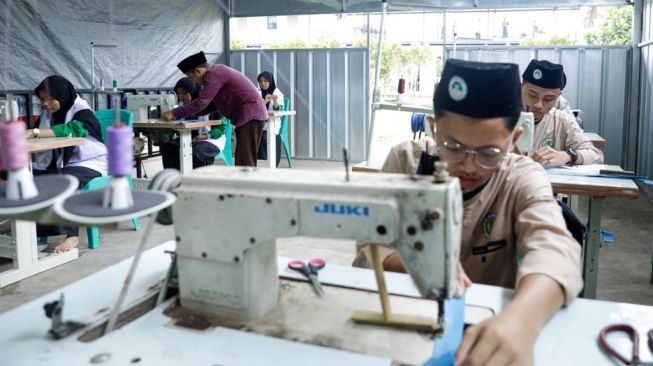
(555, 40)
(616, 29)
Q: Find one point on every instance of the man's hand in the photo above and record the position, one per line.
(393, 263)
(463, 281)
(509, 338)
(502, 340)
(168, 116)
(548, 156)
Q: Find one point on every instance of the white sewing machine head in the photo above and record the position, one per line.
(8, 110)
(142, 104)
(227, 221)
(527, 122)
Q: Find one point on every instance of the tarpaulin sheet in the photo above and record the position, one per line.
(41, 38)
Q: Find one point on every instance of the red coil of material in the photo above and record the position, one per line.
(14, 146)
(402, 86)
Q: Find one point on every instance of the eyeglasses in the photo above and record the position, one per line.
(487, 158)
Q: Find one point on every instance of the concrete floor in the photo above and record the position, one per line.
(624, 268)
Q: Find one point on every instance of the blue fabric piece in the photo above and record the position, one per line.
(647, 182)
(182, 121)
(446, 344)
(608, 237)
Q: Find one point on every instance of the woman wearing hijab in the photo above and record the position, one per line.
(207, 141)
(66, 114)
(273, 98)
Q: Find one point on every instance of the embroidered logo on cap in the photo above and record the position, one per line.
(548, 142)
(537, 74)
(457, 88)
(488, 224)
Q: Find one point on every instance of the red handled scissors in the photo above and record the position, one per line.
(310, 271)
(634, 336)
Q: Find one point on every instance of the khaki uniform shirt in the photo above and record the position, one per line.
(512, 228)
(560, 131)
(563, 105)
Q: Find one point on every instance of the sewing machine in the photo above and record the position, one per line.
(525, 142)
(142, 105)
(8, 110)
(229, 267)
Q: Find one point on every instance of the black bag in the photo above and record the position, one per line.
(574, 225)
(426, 164)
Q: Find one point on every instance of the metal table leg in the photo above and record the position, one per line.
(591, 248)
(185, 151)
(272, 145)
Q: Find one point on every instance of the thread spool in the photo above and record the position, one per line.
(417, 124)
(14, 146)
(119, 144)
(401, 88)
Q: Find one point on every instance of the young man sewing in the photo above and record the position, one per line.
(558, 139)
(509, 210)
(230, 93)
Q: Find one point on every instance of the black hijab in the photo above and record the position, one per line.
(188, 85)
(63, 91)
(268, 76)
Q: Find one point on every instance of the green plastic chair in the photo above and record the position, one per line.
(283, 131)
(106, 118)
(226, 154)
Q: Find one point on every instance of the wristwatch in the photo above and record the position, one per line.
(35, 132)
(573, 154)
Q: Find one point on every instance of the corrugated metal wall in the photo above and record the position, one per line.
(328, 90)
(645, 124)
(597, 80)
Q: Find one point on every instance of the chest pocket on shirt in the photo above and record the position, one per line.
(492, 246)
(487, 226)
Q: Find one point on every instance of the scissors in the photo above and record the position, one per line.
(310, 271)
(634, 336)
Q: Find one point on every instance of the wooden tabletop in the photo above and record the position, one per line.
(156, 123)
(594, 186)
(373, 167)
(50, 143)
(275, 114)
(597, 140)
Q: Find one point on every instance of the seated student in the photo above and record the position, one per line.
(231, 94)
(67, 114)
(558, 139)
(207, 141)
(273, 98)
(563, 104)
(509, 211)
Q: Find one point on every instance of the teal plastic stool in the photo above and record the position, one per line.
(226, 154)
(106, 118)
(283, 131)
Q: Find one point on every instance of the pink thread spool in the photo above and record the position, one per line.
(401, 88)
(14, 146)
(119, 144)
